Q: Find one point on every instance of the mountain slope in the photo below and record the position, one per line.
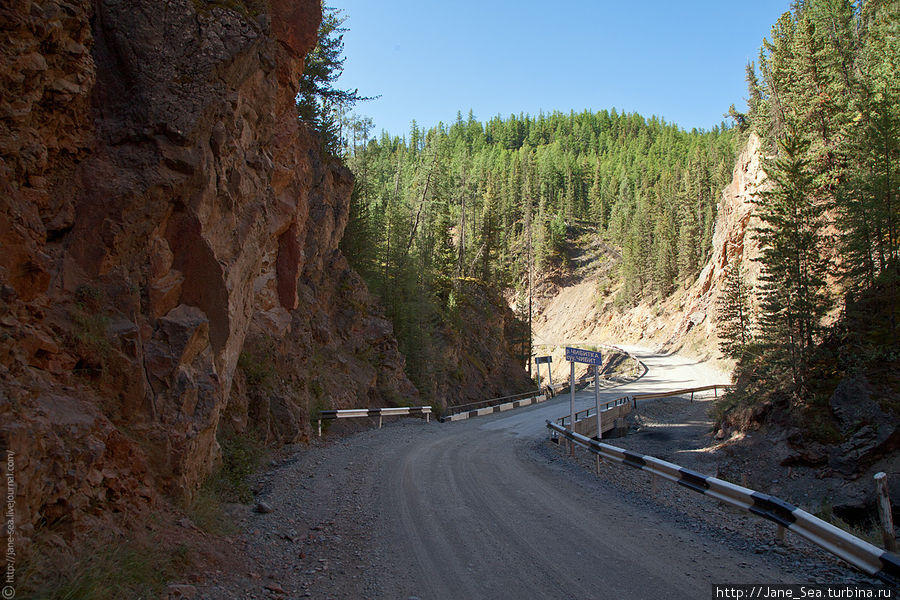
(576, 299)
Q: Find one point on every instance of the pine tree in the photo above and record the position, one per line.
(318, 101)
(793, 295)
(734, 322)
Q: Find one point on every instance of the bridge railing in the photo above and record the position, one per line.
(461, 408)
(682, 392)
(592, 411)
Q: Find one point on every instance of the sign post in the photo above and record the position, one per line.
(571, 404)
(588, 357)
(538, 361)
(597, 398)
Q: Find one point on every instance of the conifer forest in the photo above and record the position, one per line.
(485, 201)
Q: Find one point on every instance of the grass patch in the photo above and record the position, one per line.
(90, 333)
(867, 531)
(316, 402)
(257, 362)
(207, 512)
(242, 455)
(130, 569)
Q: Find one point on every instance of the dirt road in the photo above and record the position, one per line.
(485, 508)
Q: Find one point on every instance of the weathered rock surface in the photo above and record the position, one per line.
(159, 201)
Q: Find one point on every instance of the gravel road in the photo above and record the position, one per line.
(488, 508)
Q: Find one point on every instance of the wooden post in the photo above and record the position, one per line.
(884, 511)
(779, 534)
(653, 484)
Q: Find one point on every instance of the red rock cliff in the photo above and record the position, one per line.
(159, 201)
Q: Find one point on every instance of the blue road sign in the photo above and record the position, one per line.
(579, 355)
(543, 359)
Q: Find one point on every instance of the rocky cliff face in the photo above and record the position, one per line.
(477, 358)
(160, 202)
(733, 241)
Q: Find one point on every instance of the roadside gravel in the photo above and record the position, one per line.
(322, 538)
(325, 536)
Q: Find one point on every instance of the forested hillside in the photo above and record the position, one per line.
(818, 362)
(482, 201)
(825, 98)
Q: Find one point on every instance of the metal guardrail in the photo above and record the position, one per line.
(461, 408)
(351, 413)
(859, 553)
(592, 411)
(704, 388)
(534, 395)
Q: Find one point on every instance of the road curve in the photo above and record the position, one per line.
(481, 508)
(471, 513)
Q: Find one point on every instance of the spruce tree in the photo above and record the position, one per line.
(793, 293)
(733, 312)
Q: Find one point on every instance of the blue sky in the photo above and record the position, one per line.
(428, 59)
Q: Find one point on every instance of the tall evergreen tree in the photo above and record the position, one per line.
(793, 294)
(734, 316)
(319, 102)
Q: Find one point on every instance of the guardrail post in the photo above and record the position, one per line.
(779, 534)
(379, 421)
(884, 511)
